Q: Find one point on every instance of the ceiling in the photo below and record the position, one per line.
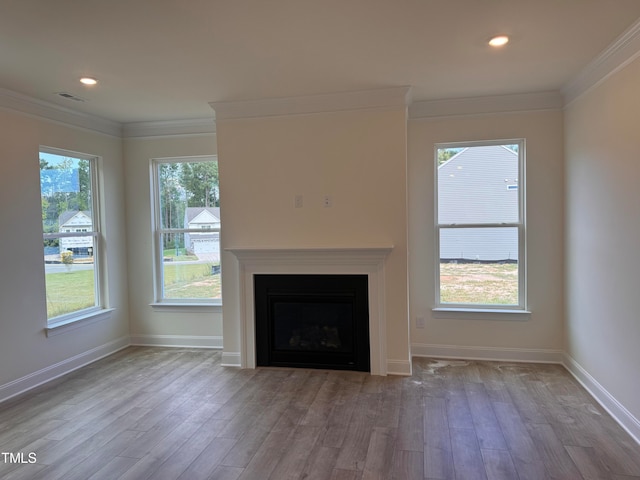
(159, 60)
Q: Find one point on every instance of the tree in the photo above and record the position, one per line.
(169, 179)
(171, 202)
(82, 200)
(200, 181)
(444, 154)
(65, 184)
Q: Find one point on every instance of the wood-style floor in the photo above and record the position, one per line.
(177, 414)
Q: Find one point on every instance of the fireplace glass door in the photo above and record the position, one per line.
(314, 321)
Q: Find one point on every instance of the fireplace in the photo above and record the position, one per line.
(368, 261)
(312, 321)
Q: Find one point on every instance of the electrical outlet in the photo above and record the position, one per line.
(419, 322)
(326, 201)
(297, 201)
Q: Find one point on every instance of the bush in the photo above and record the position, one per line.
(67, 257)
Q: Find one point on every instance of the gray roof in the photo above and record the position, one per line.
(193, 212)
(479, 185)
(69, 214)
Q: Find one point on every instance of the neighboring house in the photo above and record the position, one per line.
(76, 221)
(207, 242)
(472, 189)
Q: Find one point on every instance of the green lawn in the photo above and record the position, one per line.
(192, 280)
(482, 283)
(182, 255)
(69, 291)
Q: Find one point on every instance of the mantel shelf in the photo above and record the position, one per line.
(368, 253)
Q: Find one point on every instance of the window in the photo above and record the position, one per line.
(71, 233)
(186, 203)
(480, 227)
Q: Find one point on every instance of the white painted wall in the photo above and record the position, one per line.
(603, 235)
(538, 336)
(356, 157)
(24, 348)
(171, 326)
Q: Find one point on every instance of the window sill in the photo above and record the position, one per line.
(186, 307)
(481, 313)
(67, 325)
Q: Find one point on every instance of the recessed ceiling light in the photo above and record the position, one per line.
(499, 40)
(88, 81)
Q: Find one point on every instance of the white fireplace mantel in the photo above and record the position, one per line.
(369, 260)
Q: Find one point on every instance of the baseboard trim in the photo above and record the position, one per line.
(231, 359)
(35, 379)
(487, 353)
(399, 367)
(620, 414)
(184, 341)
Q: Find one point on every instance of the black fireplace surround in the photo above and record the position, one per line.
(312, 321)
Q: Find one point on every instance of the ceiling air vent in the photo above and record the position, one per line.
(70, 97)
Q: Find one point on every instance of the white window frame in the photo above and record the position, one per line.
(62, 322)
(521, 307)
(158, 232)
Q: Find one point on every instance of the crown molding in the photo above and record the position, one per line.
(488, 104)
(615, 57)
(620, 53)
(31, 106)
(331, 102)
(189, 126)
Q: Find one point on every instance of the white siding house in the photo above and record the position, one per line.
(76, 221)
(206, 243)
(479, 185)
